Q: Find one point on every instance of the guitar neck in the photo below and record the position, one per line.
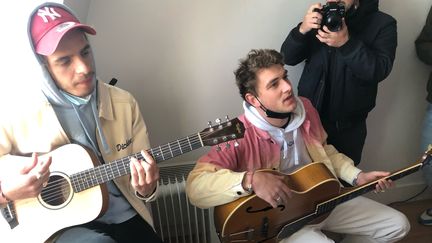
(331, 204)
(117, 168)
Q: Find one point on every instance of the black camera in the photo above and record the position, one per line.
(332, 14)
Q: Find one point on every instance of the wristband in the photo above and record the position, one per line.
(354, 182)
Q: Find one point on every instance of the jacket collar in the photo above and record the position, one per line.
(105, 102)
(261, 134)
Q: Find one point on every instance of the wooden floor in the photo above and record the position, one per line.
(419, 233)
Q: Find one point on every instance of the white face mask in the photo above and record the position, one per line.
(75, 99)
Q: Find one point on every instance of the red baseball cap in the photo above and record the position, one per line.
(49, 24)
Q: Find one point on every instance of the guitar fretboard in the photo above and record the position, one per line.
(109, 171)
(331, 204)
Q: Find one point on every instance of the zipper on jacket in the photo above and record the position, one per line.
(332, 78)
(319, 96)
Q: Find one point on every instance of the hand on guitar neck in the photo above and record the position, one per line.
(26, 179)
(144, 174)
(381, 186)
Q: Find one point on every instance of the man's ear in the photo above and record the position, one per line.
(252, 100)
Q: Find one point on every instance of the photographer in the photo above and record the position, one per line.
(344, 64)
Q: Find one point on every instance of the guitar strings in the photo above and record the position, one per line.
(58, 188)
(167, 149)
(186, 143)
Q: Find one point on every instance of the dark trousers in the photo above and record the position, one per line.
(347, 137)
(133, 230)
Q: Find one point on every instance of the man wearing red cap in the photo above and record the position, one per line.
(75, 107)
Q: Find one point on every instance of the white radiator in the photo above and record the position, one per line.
(175, 219)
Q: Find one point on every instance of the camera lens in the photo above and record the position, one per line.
(333, 22)
(333, 13)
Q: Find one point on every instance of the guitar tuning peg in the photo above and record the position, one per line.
(227, 145)
(228, 120)
(218, 148)
(209, 123)
(236, 144)
(219, 122)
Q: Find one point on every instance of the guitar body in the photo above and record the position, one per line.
(251, 219)
(76, 192)
(41, 217)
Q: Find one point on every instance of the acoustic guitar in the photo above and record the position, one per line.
(75, 192)
(315, 193)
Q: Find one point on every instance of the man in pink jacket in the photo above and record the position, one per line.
(283, 132)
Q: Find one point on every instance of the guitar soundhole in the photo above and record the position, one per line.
(57, 193)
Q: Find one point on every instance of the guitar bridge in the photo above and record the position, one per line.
(9, 215)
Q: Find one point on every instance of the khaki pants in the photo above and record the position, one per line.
(361, 219)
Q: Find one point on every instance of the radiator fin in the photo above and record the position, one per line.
(176, 220)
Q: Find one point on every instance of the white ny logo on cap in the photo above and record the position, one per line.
(48, 12)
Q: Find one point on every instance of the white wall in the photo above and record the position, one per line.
(178, 57)
(19, 74)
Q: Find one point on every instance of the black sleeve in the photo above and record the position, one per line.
(295, 47)
(423, 42)
(372, 62)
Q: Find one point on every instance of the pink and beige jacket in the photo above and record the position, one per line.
(217, 176)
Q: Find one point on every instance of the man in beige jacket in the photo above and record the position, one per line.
(75, 107)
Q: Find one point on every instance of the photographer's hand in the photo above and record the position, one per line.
(334, 39)
(312, 19)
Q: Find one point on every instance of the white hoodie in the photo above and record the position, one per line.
(293, 149)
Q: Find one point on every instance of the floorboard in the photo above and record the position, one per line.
(419, 233)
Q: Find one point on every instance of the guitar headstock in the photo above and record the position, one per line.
(222, 132)
(427, 156)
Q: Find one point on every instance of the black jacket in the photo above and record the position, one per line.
(423, 45)
(345, 79)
